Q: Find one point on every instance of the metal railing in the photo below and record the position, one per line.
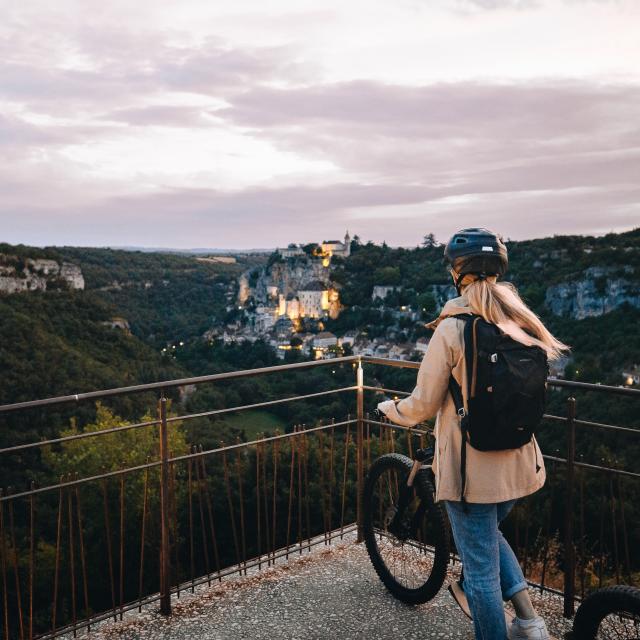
(160, 518)
(566, 467)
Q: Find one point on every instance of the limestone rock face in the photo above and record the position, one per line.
(599, 291)
(244, 291)
(283, 287)
(72, 274)
(289, 276)
(37, 274)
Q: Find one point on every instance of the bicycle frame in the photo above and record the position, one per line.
(420, 457)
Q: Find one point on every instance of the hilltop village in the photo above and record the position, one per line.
(295, 302)
(289, 301)
(321, 299)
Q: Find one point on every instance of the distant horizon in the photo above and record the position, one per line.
(235, 250)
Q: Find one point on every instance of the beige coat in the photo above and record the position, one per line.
(492, 476)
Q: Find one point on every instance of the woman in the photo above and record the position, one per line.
(494, 479)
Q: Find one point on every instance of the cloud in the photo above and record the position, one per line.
(160, 115)
(527, 160)
(111, 72)
(146, 122)
(400, 214)
(556, 108)
(487, 137)
(502, 4)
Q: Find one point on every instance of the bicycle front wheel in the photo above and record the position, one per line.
(612, 612)
(404, 530)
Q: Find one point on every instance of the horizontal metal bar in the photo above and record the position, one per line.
(589, 386)
(427, 431)
(385, 390)
(609, 427)
(554, 382)
(548, 416)
(181, 382)
(240, 445)
(390, 362)
(595, 467)
(92, 434)
(256, 405)
(80, 481)
(406, 364)
(157, 463)
(79, 436)
(407, 393)
(546, 457)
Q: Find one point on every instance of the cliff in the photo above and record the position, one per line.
(599, 291)
(287, 276)
(40, 274)
(291, 274)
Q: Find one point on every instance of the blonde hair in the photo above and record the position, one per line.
(500, 301)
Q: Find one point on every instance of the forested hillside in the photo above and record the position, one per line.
(586, 289)
(116, 331)
(111, 334)
(163, 296)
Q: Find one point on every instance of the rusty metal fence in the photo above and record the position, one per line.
(194, 516)
(582, 530)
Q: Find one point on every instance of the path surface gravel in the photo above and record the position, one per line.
(330, 593)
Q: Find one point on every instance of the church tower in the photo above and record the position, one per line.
(347, 244)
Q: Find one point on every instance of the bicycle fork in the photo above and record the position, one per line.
(398, 526)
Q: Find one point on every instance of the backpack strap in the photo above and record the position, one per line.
(458, 401)
(456, 394)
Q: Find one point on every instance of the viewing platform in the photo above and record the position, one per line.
(330, 591)
(143, 532)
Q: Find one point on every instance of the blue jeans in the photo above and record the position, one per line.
(491, 571)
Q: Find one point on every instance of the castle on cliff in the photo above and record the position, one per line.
(295, 285)
(326, 249)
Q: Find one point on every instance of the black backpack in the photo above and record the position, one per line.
(506, 390)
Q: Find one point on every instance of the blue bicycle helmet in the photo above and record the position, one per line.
(477, 251)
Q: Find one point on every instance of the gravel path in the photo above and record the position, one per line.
(330, 593)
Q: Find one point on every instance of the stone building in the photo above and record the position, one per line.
(337, 248)
(291, 251)
(314, 299)
(382, 291)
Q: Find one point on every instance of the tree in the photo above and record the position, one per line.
(387, 276)
(311, 249)
(111, 451)
(427, 304)
(429, 241)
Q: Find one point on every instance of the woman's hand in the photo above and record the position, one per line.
(377, 414)
(382, 409)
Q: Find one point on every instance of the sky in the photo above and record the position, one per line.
(255, 124)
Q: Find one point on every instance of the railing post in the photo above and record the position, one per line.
(569, 550)
(165, 579)
(359, 445)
